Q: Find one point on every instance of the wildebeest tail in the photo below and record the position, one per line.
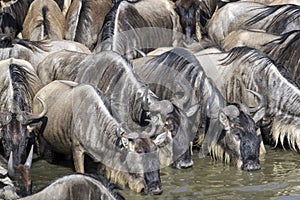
(46, 23)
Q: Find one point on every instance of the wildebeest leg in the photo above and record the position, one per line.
(78, 157)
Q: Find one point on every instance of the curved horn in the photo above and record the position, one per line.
(11, 170)
(145, 103)
(153, 129)
(32, 116)
(261, 99)
(231, 111)
(29, 158)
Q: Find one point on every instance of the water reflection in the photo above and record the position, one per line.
(277, 179)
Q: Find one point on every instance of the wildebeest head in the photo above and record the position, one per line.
(16, 130)
(141, 157)
(8, 25)
(20, 175)
(187, 9)
(238, 140)
(176, 150)
(174, 123)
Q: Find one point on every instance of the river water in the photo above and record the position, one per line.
(208, 179)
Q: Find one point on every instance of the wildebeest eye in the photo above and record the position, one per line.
(5, 118)
(21, 118)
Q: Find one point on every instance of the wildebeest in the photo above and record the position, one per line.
(76, 186)
(114, 75)
(80, 122)
(277, 19)
(13, 13)
(247, 68)
(283, 49)
(15, 180)
(141, 25)
(228, 129)
(35, 51)
(188, 13)
(44, 20)
(19, 83)
(84, 20)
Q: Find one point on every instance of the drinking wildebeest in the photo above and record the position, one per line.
(113, 74)
(19, 83)
(229, 131)
(247, 68)
(15, 179)
(80, 122)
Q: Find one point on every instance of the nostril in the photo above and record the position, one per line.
(156, 191)
(251, 166)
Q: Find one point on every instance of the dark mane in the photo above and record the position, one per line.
(254, 55)
(289, 13)
(20, 81)
(273, 44)
(32, 45)
(241, 52)
(108, 27)
(184, 62)
(285, 51)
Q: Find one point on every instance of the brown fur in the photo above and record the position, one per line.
(44, 21)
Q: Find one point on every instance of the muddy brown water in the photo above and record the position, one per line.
(279, 178)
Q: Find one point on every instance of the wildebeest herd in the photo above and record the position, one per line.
(138, 85)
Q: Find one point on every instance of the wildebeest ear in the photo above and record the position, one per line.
(131, 146)
(224, 120)
(192, 110)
